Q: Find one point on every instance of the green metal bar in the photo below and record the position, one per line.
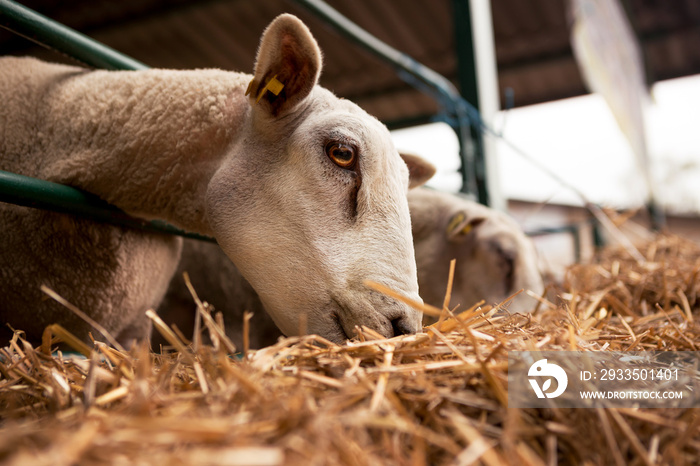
(51, 34)
(398, 59)
(40, 194)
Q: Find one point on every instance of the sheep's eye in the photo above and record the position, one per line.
(343, 155)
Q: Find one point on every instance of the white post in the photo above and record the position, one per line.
(487, 86)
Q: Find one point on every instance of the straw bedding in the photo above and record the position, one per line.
(439, 397)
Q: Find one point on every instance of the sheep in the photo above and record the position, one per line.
(494, 260)
(218, 282)
(303, 191)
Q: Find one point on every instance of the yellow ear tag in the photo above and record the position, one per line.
(467, 228)
(454, 223)
(273, 85)
(250, 86)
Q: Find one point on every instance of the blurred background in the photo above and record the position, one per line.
(582, 100)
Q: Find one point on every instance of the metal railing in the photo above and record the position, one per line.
(55, 36)
(574, 230)
(32, 192)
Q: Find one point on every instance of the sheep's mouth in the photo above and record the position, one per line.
(337, 324)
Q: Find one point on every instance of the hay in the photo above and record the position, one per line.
(438, 397)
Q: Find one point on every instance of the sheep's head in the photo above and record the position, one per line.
(312, 201)
(494, 259)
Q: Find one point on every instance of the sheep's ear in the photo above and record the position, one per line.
(460, 225)
(287, 66)
(419, 170)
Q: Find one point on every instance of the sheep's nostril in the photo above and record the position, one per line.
(402, 326)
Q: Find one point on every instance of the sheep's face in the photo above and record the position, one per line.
(312, 202)
(494, 259)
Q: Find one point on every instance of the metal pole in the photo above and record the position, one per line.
(40, 194)
(53, 35)
(398, 59)
(466, 72)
